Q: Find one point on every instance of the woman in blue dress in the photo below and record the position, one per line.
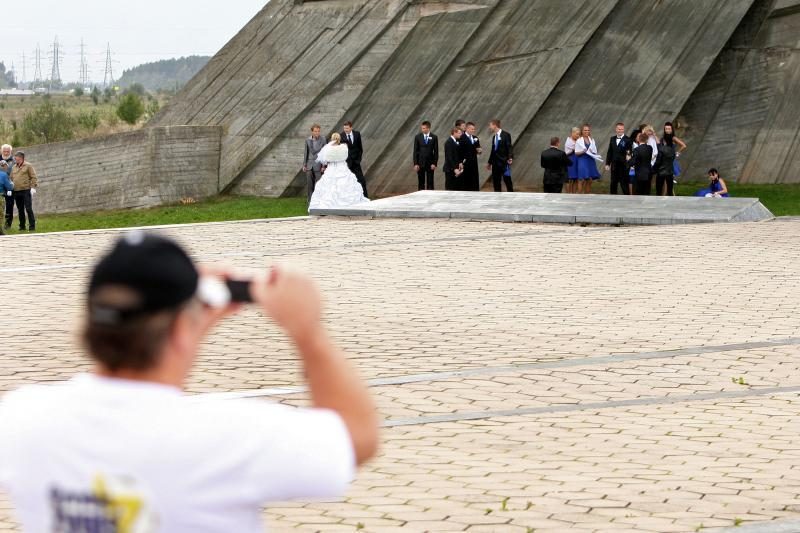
(572, 170)
(717, 189)
(586, 150)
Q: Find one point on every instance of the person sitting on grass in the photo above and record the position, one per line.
(717, 188)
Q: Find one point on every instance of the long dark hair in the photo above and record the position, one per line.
(667, 137)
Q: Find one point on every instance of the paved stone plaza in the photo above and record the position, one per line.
(531, 377)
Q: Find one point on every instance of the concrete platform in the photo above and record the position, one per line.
(559, 208)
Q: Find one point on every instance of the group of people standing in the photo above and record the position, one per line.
(314, 166)
(461, 167)
(333, 169)
(18, 182)
(636, 162)
(461, 152)
(633, 161)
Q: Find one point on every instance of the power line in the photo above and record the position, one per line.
(108, 76)
(83, 76)
(37, 74)
(56, 58)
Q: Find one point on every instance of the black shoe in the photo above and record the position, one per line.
(31, 229)
(22, 229)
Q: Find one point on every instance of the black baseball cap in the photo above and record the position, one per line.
(154, 268)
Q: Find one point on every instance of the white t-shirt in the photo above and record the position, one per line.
(160, 460)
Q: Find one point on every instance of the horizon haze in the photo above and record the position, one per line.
(155, 30)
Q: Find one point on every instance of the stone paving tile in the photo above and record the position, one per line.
(424, 296)
(556, 471)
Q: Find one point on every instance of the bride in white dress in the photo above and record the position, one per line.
(338, 187)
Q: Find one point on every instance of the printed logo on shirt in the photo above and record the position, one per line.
(112, 506)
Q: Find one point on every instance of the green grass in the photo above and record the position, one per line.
(782, 200)
(213, 210)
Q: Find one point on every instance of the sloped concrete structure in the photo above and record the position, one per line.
(559, 208)
(541, 66)
(744, 116)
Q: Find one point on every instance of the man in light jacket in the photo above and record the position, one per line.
(311, 166)
(25, 182)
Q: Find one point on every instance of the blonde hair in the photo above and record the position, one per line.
(649, 130)
(336, 138)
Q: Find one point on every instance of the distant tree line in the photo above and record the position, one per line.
(166, 75)
(6, 77)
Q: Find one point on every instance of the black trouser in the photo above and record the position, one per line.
(472, 176)
(451, 181)
(355, 168)
(425, 178)
(498, 174)
(552, 187)
(9, 210)
(312, 177)
(660, 184)
(24, 202)
(643, 187)
(619, 176)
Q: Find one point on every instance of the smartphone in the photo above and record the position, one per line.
(240, 290)
(218, 293)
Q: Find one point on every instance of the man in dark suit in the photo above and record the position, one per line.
(453, 164)
(640, 160)
(426, 156)
(355, 149)
(462, 147)
(555, 163)
(618, 148)
(472, 149)
(501, 158)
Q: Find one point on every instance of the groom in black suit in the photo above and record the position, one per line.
(355, 151)
(472, 149)
(618, 147)
(426, 156)
(501, 157)
(453, 163)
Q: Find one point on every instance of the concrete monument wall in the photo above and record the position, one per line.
(540, 66)
(137, 169)
(744, 118)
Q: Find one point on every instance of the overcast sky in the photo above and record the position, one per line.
(155, 29)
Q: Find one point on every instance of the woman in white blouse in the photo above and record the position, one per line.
(572, 170)
(586, 150)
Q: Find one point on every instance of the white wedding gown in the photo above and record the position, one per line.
(338, 187)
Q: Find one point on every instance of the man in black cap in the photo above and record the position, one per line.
(121, 449)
